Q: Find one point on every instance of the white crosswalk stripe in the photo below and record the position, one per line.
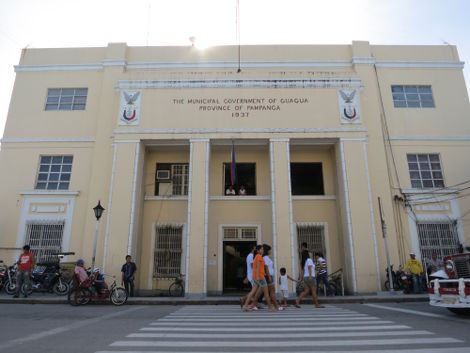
(332, 330)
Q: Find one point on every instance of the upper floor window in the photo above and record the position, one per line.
(54, 173)
(412, 97)
(66, 98)
(246, 179)
(172, 179)
(425, 171)
(306, 179)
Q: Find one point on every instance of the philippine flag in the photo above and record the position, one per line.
(233, 168)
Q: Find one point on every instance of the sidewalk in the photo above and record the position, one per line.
(383, 297)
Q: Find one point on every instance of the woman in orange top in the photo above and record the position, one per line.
(258, 280)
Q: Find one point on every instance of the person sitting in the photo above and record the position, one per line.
(434, 264)
(80, 272)
(242, 190)
(99, 284)
(230, 191)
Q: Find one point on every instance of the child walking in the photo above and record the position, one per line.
(283, 286)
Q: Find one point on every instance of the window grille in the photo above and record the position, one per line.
(412, 96)
(425, 171)
(240, 233)
(54, 173)
(66, 98)
(180, 179)
(314, 236)
(45, 240)
(168, 251)
(441, 238)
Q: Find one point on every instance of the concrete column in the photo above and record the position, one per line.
(196, 251)
(359, 232)
(123, 209)
(284, 244)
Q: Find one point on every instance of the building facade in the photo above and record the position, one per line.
(316, 134)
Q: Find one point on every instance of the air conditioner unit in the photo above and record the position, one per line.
(163, 175)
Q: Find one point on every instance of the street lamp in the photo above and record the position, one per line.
(98, 209)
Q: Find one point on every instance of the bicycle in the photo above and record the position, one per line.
(83, 293)
(176, 289)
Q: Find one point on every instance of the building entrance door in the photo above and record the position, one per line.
(235, 253)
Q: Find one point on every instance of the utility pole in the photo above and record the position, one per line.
(384, 234)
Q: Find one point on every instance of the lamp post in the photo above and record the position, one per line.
(98, 209)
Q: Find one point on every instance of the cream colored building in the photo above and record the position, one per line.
(320, 132)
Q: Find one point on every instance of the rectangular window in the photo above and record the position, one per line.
(45, 240)
(314, 236)
(425, 171)
(172, 179)
(441, 238)
(412, 96)
(246, 176)
(168, 251)
(54, 173)
(306, 179)
(66, 98)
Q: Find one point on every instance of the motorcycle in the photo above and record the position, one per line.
(8, 278)
(396, 285)
(46, 277)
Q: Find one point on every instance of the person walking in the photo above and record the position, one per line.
(25, 266)
(322, 273)
(249, 271)
(259, 281)
(414, 266)
(269, 269)
(283, 287)
(309, 279)
(128, 274)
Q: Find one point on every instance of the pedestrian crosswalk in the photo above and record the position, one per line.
(206, 329)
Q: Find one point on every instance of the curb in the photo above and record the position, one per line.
(226, 301)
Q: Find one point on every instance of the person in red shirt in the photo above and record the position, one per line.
(25, 266)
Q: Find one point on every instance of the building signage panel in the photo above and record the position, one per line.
(129, 114)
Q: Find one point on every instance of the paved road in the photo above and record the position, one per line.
(371, 328)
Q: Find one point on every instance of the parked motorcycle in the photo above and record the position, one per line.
(8, 278)
(46, 277)
(394, 279)
(401, 280)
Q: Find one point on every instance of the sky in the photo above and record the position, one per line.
(92, 23)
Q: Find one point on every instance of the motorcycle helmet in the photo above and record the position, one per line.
(80, 262)
(96, 270)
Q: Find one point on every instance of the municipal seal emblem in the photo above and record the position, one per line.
(348, 107)
(130, 108)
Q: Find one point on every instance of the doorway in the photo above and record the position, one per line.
(234, 262)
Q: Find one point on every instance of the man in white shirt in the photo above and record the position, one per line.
(249, 270)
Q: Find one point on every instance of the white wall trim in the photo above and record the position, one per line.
(58, 67)
(237, 130)
(108, 214)
(293, 238)
(429, 138)
(165, 198)
(348, 216)
(273, 202)
(314, 197)
(274, 83)
(421, 64)
(162, 65)
(240, 198)
(206, 215)
(127, 141)
(419, 192)
(53, 217)
(372, 217)
(220, 250)
(134, 191)
(46, 139)
(49, 193)
(188, 234)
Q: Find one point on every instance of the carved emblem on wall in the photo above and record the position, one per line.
(129, 114)
(349, 107)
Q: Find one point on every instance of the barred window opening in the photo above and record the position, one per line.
(45, 240)
(168, 251)
(314, 236)
(441, 238)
